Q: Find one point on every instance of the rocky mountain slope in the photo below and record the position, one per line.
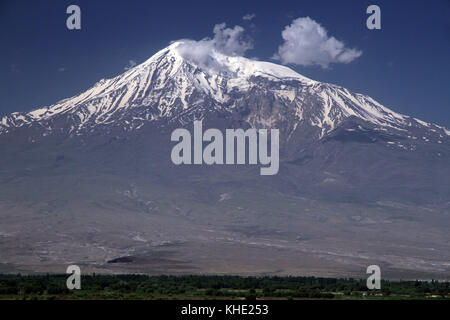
(89, 180)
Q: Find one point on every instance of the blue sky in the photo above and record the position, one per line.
(405, 65)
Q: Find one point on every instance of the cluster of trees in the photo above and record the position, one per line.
(142, 287)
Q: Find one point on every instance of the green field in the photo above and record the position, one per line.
(51, 287)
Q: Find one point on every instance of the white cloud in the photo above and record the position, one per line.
(62, 69)
(131, 64)
(307, 43)
(249, 17)
(228, 41)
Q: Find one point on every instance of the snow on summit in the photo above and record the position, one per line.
(190, 77)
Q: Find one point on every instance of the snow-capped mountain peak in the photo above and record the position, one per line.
(139, 86)
(177, 81)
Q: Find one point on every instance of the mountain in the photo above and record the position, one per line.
(170, 87)
(89, 179)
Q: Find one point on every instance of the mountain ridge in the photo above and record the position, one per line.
(170, 84)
